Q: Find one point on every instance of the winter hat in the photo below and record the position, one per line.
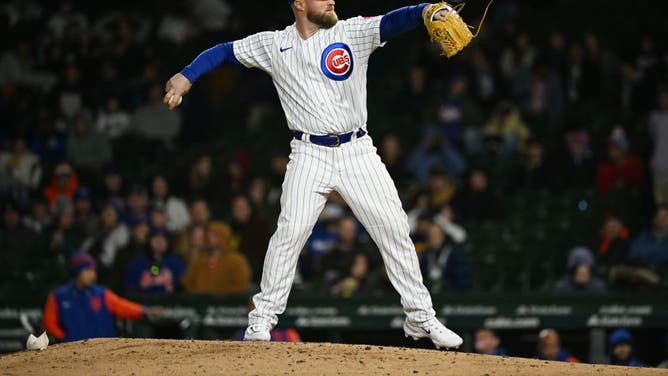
(619, 337)
(80, 262)
(579, 256)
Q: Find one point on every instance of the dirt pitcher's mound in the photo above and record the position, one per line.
(174, 357)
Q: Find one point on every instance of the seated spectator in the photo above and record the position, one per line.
(476, 202)
(355, 282)
(39, 219)
(112, 236)
(664, 364)
(16, 240)
(622, 352)
(336, 264)
(174, 207)
(394, 160)
(137, 206)
(549, 347)
(113, 121)
(250, 232)
(435, 152)
(441, 189)
(487, 342)
(85, 218)
(157, 271)
(137, 246)
(83, 309)
(576, 167)
(622, 169)
(651, 247)
(505, 131)
(202, 183)
(444, 266)
(200, 216)
(533, 172)
(445, 219)
(196, 242)
(86, 148)
(159, 220)
(63, 184)
(154, 121)
(218, 269)
(580, 280)
(66, 235)
(112, 190)
(658, 126)
(20, 172)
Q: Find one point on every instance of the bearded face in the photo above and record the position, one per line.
(325, 19)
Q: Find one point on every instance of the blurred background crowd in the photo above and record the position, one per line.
(535, 161)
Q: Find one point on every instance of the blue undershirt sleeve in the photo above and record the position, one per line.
(209, 60)
(400, 21)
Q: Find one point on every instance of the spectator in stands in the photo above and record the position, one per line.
(137, 206)
(658, 126)
(85, 218)
(39, 219)
(202, 183)
(441, 189)
(86, 148)
(335, 264)
(64, 183)
(576, 167)
(456, 109)
(218, 269)
(445, 219)
(533, 172)
(394, 160)
(113, 121)
(157, 271)
(66, 235)
(83, 309)
(200, 216)
(137, 246)
(487, 342)
(155, 122)
(622, 352)
(579, 280)
(664, 364)
(549, 347)
(112, 236)
(476, 202)
(651, 247)
(444, 265)
(16, 240)
(505, 132)
(622, 169)
(435, 151)
(355, 281)
(20, 172)
(414, 98)
(250, 232)
(174, 207)
(112, 191)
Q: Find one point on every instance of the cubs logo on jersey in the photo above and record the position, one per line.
(337, 62)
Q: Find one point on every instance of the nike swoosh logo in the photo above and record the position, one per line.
(428, 331)
(285, 49)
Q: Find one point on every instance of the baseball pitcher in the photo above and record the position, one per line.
(318, 65)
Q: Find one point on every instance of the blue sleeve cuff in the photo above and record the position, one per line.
(400, 21)
(209, 60)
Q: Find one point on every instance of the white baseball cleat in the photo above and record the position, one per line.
(257, 333)
(441, 336)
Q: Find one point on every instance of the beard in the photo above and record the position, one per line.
(324, 20)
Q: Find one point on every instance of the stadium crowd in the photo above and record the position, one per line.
(92, 162)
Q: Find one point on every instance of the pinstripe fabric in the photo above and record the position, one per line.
(316, 104)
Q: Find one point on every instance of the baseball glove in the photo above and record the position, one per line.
(452, 34)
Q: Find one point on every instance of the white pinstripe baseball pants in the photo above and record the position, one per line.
(356, 172)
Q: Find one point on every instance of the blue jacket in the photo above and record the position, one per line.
(73, 314)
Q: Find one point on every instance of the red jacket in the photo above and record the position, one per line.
(611, 176)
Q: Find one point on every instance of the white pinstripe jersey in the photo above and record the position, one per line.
(321, 81)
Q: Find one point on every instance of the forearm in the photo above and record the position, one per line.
(209, 60)
(400, 21)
